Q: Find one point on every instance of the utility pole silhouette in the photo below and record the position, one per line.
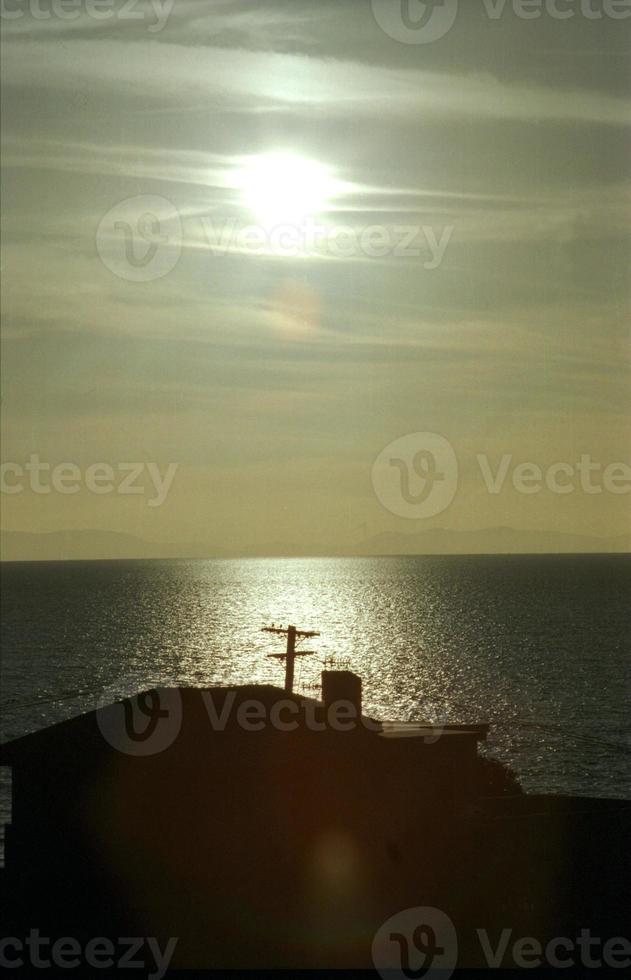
(291, 653)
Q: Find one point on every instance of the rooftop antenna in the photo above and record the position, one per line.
(291, 653)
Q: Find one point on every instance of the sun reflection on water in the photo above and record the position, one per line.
(436, 639)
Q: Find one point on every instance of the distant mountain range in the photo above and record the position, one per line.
(85, 545)
(494, 540)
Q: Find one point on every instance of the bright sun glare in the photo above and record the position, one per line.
(282, 188)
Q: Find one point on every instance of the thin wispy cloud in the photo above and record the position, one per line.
(505, 158)
(335, 87)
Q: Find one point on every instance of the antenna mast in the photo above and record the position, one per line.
(291, 653)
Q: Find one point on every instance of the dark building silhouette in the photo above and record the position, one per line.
(287, 840)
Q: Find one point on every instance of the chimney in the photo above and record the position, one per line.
(342, 685)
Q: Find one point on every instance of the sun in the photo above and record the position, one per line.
(284, 188)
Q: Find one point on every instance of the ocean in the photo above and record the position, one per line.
(538, 647)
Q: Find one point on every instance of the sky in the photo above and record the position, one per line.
(302, 273)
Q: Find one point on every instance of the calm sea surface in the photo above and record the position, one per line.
(538, 647)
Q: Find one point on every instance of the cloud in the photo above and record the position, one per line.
(238, 76)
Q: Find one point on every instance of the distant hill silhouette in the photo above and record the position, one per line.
(89, 544)
(495, 540)
(93, 544)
